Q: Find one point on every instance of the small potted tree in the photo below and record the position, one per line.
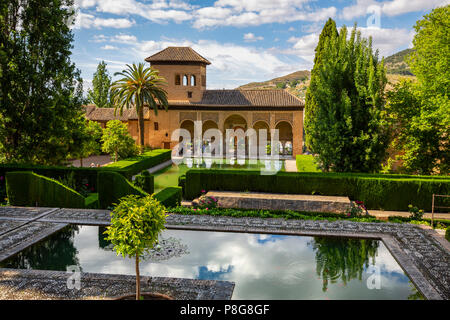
(136, 223)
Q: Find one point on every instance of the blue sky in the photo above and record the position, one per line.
(246, 41)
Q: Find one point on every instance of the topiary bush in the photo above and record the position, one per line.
(112, 186)
(145, 181)
(182, 183)
(29, 189)
(169, 197)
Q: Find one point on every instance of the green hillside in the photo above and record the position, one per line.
(396, 64)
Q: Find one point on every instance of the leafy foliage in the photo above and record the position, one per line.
(135, 227)
(418, 112)
(139, 87)
(40, 88)
(343, 123)
(88, 140)
(117, 141)
(99, 94)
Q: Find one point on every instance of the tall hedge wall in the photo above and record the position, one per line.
(29, 189)
(145, 181)
(112, 186)
(387, 192)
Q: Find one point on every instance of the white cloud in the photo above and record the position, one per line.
(109, 47)
(250, 37)
(390, 8)
(87, 21)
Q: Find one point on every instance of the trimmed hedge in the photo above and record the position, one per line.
(145, 181)
(112, 186)
(182, 183)
(26, 188)
(132, 166)
(387, 192)
(169, 197)
(447, 234)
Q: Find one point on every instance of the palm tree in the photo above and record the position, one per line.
(139, 87)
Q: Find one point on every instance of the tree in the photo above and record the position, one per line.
(135, 227)
(117, 141)
(328, 31)
(139, 87)
(99, 95)
(40, 88)
(89, 138)
(418, 112)
(344, 124)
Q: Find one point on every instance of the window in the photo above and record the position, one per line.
(193, 82)
(185, 80)
(156, 126)
(189, 94)
(177, 79)
(204, 81)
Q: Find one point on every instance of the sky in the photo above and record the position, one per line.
(245, 40)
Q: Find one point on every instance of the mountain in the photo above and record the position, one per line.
(396, 64)
(297, 82)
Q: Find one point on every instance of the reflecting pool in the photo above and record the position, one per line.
(168, 177)
(263, 266)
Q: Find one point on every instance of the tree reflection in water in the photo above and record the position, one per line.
(342, 258)
(55, 252)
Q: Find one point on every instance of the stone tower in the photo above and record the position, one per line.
(184, 70)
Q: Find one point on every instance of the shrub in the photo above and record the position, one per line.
(117, 141)
(112, 186)
(145, 181)
(169, 197)
(388, 192)
(416, 214)
(91, 201)
(447, 234)
(29, 189)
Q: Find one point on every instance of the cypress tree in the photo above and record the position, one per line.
(345, 128)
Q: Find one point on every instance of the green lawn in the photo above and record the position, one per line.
(305, 163)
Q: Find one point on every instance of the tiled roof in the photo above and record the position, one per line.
(211, 98)
(179, 54)
(106, 114)
(251, 98)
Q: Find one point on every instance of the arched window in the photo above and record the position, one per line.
(177, 79)
(185, 80)
(193, 82)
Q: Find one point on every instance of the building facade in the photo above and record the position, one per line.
(190, 101)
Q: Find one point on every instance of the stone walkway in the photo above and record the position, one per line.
(420, 252)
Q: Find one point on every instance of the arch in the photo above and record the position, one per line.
(189, 126)
(285, 136)
(193, 81)
(177, 79)
(235, 121)
(239, 142)
(258, 125)
(185, 80)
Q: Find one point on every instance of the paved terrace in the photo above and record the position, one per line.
(423, 254)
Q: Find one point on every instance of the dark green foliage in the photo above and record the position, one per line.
(132, 166)
(447, 234)
(343, 122)
(112, 186)
(91, 201)
(40, 88)
(145, 181)
(169, 197)
(388, 192)
(99, 94)
(182, 182)
(29, 189)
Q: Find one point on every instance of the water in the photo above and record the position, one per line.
(263, 266)
(168, 177)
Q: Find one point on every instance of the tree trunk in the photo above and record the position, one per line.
(81, 162)
(141, 128)
(138, 279)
